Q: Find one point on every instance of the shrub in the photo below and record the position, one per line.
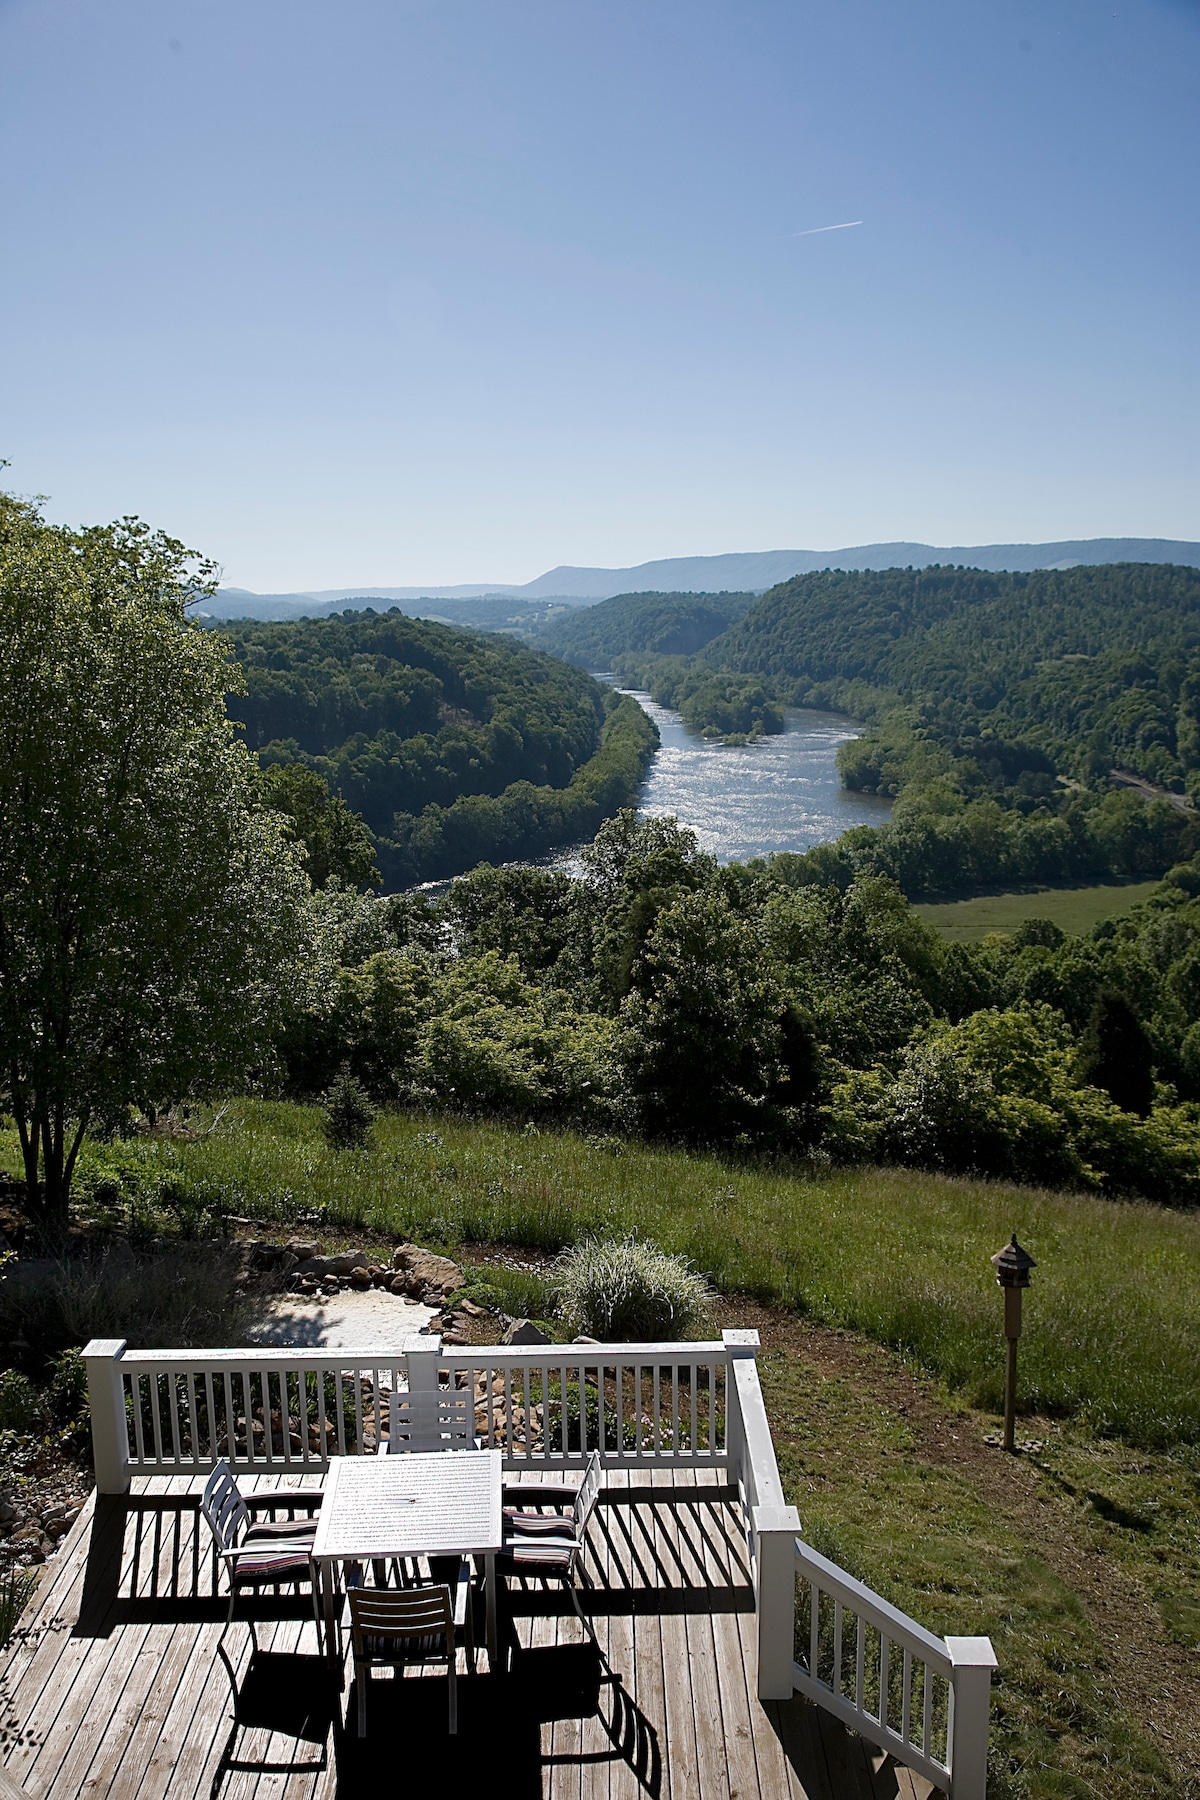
(627, 1290)
(19, 1407)
(16, 1589)
(349, 1114)
(170, 1299)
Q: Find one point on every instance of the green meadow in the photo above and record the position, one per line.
(1070, 908)
(1112, 1321)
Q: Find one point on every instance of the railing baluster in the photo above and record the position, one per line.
(884, 1648)
(837, 1646)
(814, 1630)
(860, 1659)
(906, 1698)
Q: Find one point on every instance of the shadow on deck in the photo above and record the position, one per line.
(116, 1686)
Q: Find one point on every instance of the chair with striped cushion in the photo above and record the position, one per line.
(393, 1626)
(271, 1554)
(547, 1545)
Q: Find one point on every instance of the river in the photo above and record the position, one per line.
(781, 793)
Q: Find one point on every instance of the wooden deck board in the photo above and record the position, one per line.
(114, 1690)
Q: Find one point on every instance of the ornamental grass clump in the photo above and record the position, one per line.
(626, 1290)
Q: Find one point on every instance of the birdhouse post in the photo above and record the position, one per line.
(1012, 1266)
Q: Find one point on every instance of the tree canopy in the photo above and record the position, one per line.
(451, 745)
(150, 907)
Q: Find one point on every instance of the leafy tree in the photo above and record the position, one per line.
(702, 1027)
(150, 909)
(1117, 1055)
(335, 840)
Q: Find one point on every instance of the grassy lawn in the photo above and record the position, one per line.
(1112, 1324)
(882, 1369)
(1080, 1561)
(1070, 908)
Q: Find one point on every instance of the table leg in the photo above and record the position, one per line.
(329, 1604)
(493, 1634)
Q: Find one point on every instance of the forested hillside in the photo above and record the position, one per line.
(748, 1006)
(661, 624)
(1001, 707)
(452, 745)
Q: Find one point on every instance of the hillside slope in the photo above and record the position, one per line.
(662, 624)
(452, 745)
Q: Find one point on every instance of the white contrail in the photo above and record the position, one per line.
(812, 232)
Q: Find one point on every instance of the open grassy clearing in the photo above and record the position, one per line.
(1080, 1561)
(1113, 1322)
(1070, 908)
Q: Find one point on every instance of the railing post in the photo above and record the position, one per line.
(776, 1529)
(422, 1354)
(106, 1402)
(737, 1344)
(972, 1659)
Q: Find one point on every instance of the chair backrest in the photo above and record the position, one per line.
(433, 1420)
(400, 1613)
(589, 1493)
(223, 1506)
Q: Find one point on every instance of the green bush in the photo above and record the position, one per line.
(16, 1590)
(19, 1404)
(627, 1290)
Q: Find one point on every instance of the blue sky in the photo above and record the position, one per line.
(403, 291)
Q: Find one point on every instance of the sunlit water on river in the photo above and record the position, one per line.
(781, 793)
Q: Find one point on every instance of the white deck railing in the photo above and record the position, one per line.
(820, 1633)
(177, 1412)
(923, 1699)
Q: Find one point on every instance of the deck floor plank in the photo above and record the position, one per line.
(138, 1706)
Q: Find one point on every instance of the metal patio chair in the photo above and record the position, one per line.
(390, 1627)
(275, 1554)
(547, 1545)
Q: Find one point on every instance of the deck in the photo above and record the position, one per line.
(114, 1687)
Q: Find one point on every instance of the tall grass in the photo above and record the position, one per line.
(1112, 1321)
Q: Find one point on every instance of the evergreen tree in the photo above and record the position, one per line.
(1116, 1055)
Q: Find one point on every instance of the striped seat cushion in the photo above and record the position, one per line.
(528, 1524)
(379, 1647)
(293, 1530)
(528, 1555)
(271, 1565)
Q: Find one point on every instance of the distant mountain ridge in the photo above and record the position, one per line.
(748, 571)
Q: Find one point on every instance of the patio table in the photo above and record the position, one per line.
(444, 1503)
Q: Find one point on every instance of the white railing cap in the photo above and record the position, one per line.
(364, 1355)
(971, 1653)
(873, 1606)
(743, 1341)
(108, 1348)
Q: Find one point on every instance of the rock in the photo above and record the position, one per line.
(454, 1337)
(346, 1263)
(303, 1249)
(8, 1512)
(287, 1262)
(265, 1256)
(360, 1278)
(524, 1331)
(399, 1285)
(472, 1311)
(331, 1285)
(437, 1275)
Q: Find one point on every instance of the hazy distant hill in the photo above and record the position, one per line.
(755, 571)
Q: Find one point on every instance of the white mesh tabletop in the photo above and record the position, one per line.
(436, 1504)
